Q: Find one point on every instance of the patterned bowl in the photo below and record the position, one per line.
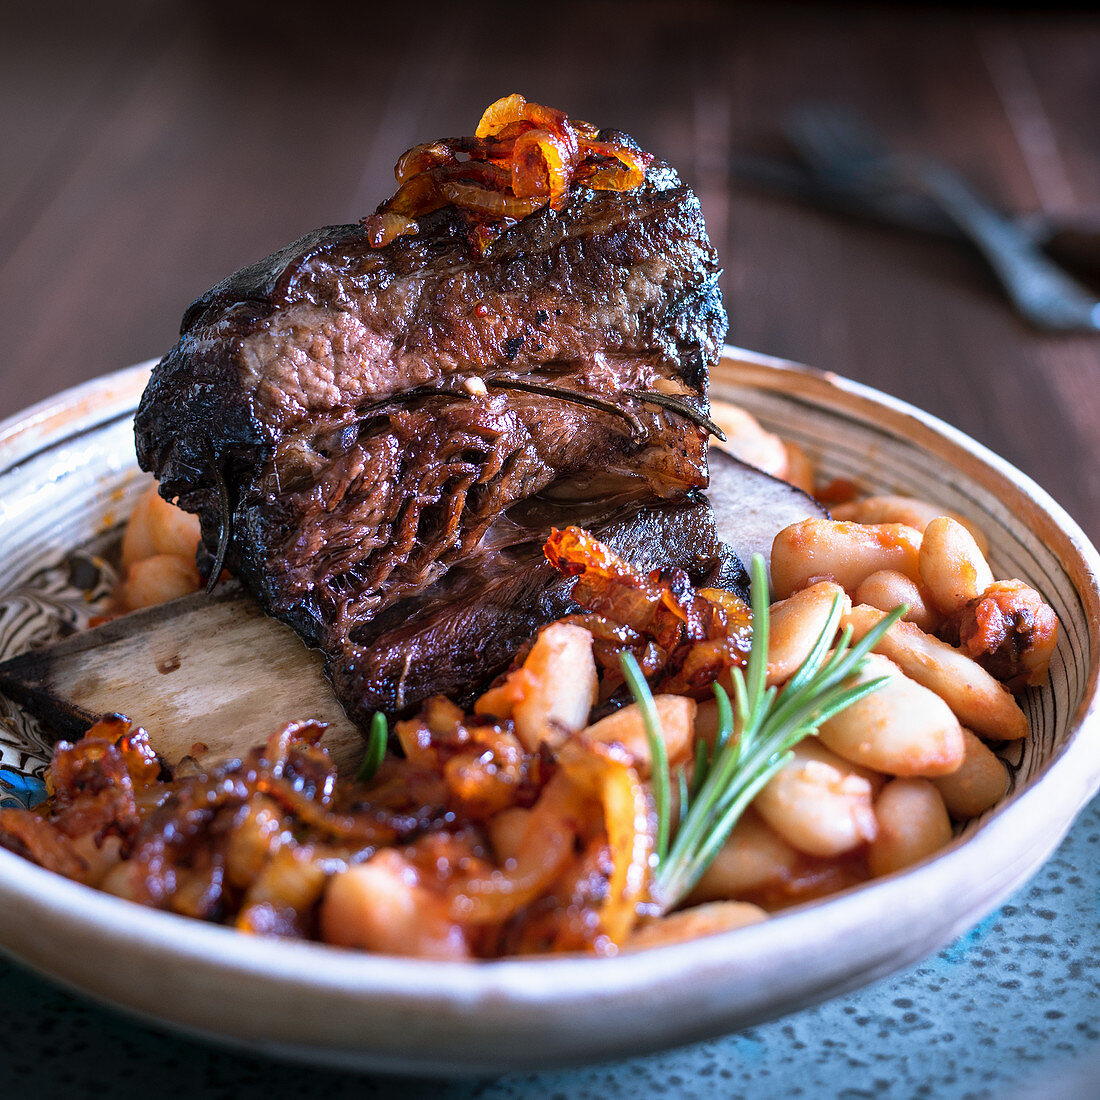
(67, 476)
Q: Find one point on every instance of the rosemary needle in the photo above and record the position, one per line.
(376, 748)
(657, 750)
(755, 736)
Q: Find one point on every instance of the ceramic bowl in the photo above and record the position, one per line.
(67, 473)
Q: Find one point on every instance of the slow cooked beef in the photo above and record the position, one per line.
(371, 435)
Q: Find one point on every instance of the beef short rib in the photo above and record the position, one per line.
(372, 431)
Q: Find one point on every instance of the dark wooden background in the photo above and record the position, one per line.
(148, 149)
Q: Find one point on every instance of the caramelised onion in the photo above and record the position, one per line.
(604, 773)
(682, 637)
(522, 157)
(547, 846)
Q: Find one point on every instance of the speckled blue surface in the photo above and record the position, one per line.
(1012, 1009)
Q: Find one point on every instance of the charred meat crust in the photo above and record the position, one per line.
(630, 272)
(357, 402)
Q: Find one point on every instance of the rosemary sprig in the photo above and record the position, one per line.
(376, 748)
(754, 740)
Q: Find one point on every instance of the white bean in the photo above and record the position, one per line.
(846, 553)
(978, 700)
(753, 858)
(912, 511)
(558, 687)
(158, 527)
(441, 715)
(800, 470)
(124, 880)
(174, 531)
(506, 831)
(978, 785)
(901, 729)
(158, 579)
(796, 623)
(380, 906)
(747, 440)
(676, 714)
(699, 920)
(888, 589)
(812, 748)
(951, 565)
(912, 824)
(137, 539)
(99, 858)
(816, 807)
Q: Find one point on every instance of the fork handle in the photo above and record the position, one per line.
(1041, 292)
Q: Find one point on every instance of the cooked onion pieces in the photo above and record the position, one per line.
(683, 638)
(522, 157)
(546, 847)
(604, 773)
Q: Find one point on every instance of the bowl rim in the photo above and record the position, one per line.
(1074, 767)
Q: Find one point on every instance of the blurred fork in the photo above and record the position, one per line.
(840, 146)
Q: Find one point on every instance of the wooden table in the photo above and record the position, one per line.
(151, 147)
(148, 154)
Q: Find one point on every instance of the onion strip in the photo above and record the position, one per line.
(546, 848)
(603, 772)
(522, 157)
